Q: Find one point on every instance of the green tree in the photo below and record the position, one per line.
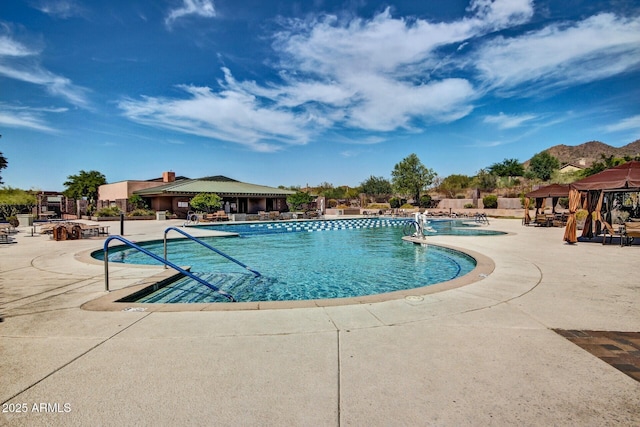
(333, 193)
(508, 167)
(297, 200)
(206, 202)
(603, 164)
(454, 184)
(411, 177)
(376, 186)
(85, 184)
(137, 202)
(14, 201)
(352, 192)
(3, 165)
(485, 180)
(542, 166)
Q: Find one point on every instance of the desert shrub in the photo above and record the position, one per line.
(407, 206)
(111, 211)
(141, 212)
(425, 201)
(490, 201)
(394, 202)
(469, 206)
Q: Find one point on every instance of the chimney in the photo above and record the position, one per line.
(168, 176)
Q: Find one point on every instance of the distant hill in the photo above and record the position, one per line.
(589, 152)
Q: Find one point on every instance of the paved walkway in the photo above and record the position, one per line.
(484, 354)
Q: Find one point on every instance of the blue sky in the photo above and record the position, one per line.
(305, 92)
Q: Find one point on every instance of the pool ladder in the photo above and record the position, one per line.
(157, 258)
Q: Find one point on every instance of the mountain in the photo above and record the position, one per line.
(589, 152)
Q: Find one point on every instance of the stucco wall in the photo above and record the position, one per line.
(115, 191)
(503, 203)
(123, 189)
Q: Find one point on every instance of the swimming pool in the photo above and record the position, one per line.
(305, 260)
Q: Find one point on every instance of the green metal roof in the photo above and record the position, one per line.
(220, 185)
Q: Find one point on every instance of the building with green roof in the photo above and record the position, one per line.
(174, 195)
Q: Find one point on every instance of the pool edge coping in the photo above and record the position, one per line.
(110, 302)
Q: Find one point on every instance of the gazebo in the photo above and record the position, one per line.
(622, 178)
(555, 191)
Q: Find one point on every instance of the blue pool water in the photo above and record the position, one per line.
(306, 260)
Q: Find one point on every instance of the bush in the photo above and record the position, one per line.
(141, 212)
(407, 206)
(112, 211)
(490, 201)
(469, 206)
(206, 202)
(425, 201)
(332, 203)
(394, 202)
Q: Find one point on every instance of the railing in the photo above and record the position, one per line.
(157, 258)
(189, 236)
(192, 218)
(481, 218)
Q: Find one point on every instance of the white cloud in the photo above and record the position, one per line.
(561, 55)
(21, 117)
(63, 9)
(371, 75)
(229, 115)
(384, 74)
(630, 123)
(502, 13)
(21, 63)
(203, 8)
(13, 48)
(504, 121)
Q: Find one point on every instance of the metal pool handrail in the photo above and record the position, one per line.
(157, 258)
(189, 236)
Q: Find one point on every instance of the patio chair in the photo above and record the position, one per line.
(631, 231)
(541, 220)
(4, 238)
(611, 232)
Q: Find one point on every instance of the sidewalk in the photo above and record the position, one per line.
(483, 354)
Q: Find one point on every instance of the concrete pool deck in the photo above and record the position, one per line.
(482, 354)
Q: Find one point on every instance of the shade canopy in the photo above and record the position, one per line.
(553, 190)
(626, 175)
